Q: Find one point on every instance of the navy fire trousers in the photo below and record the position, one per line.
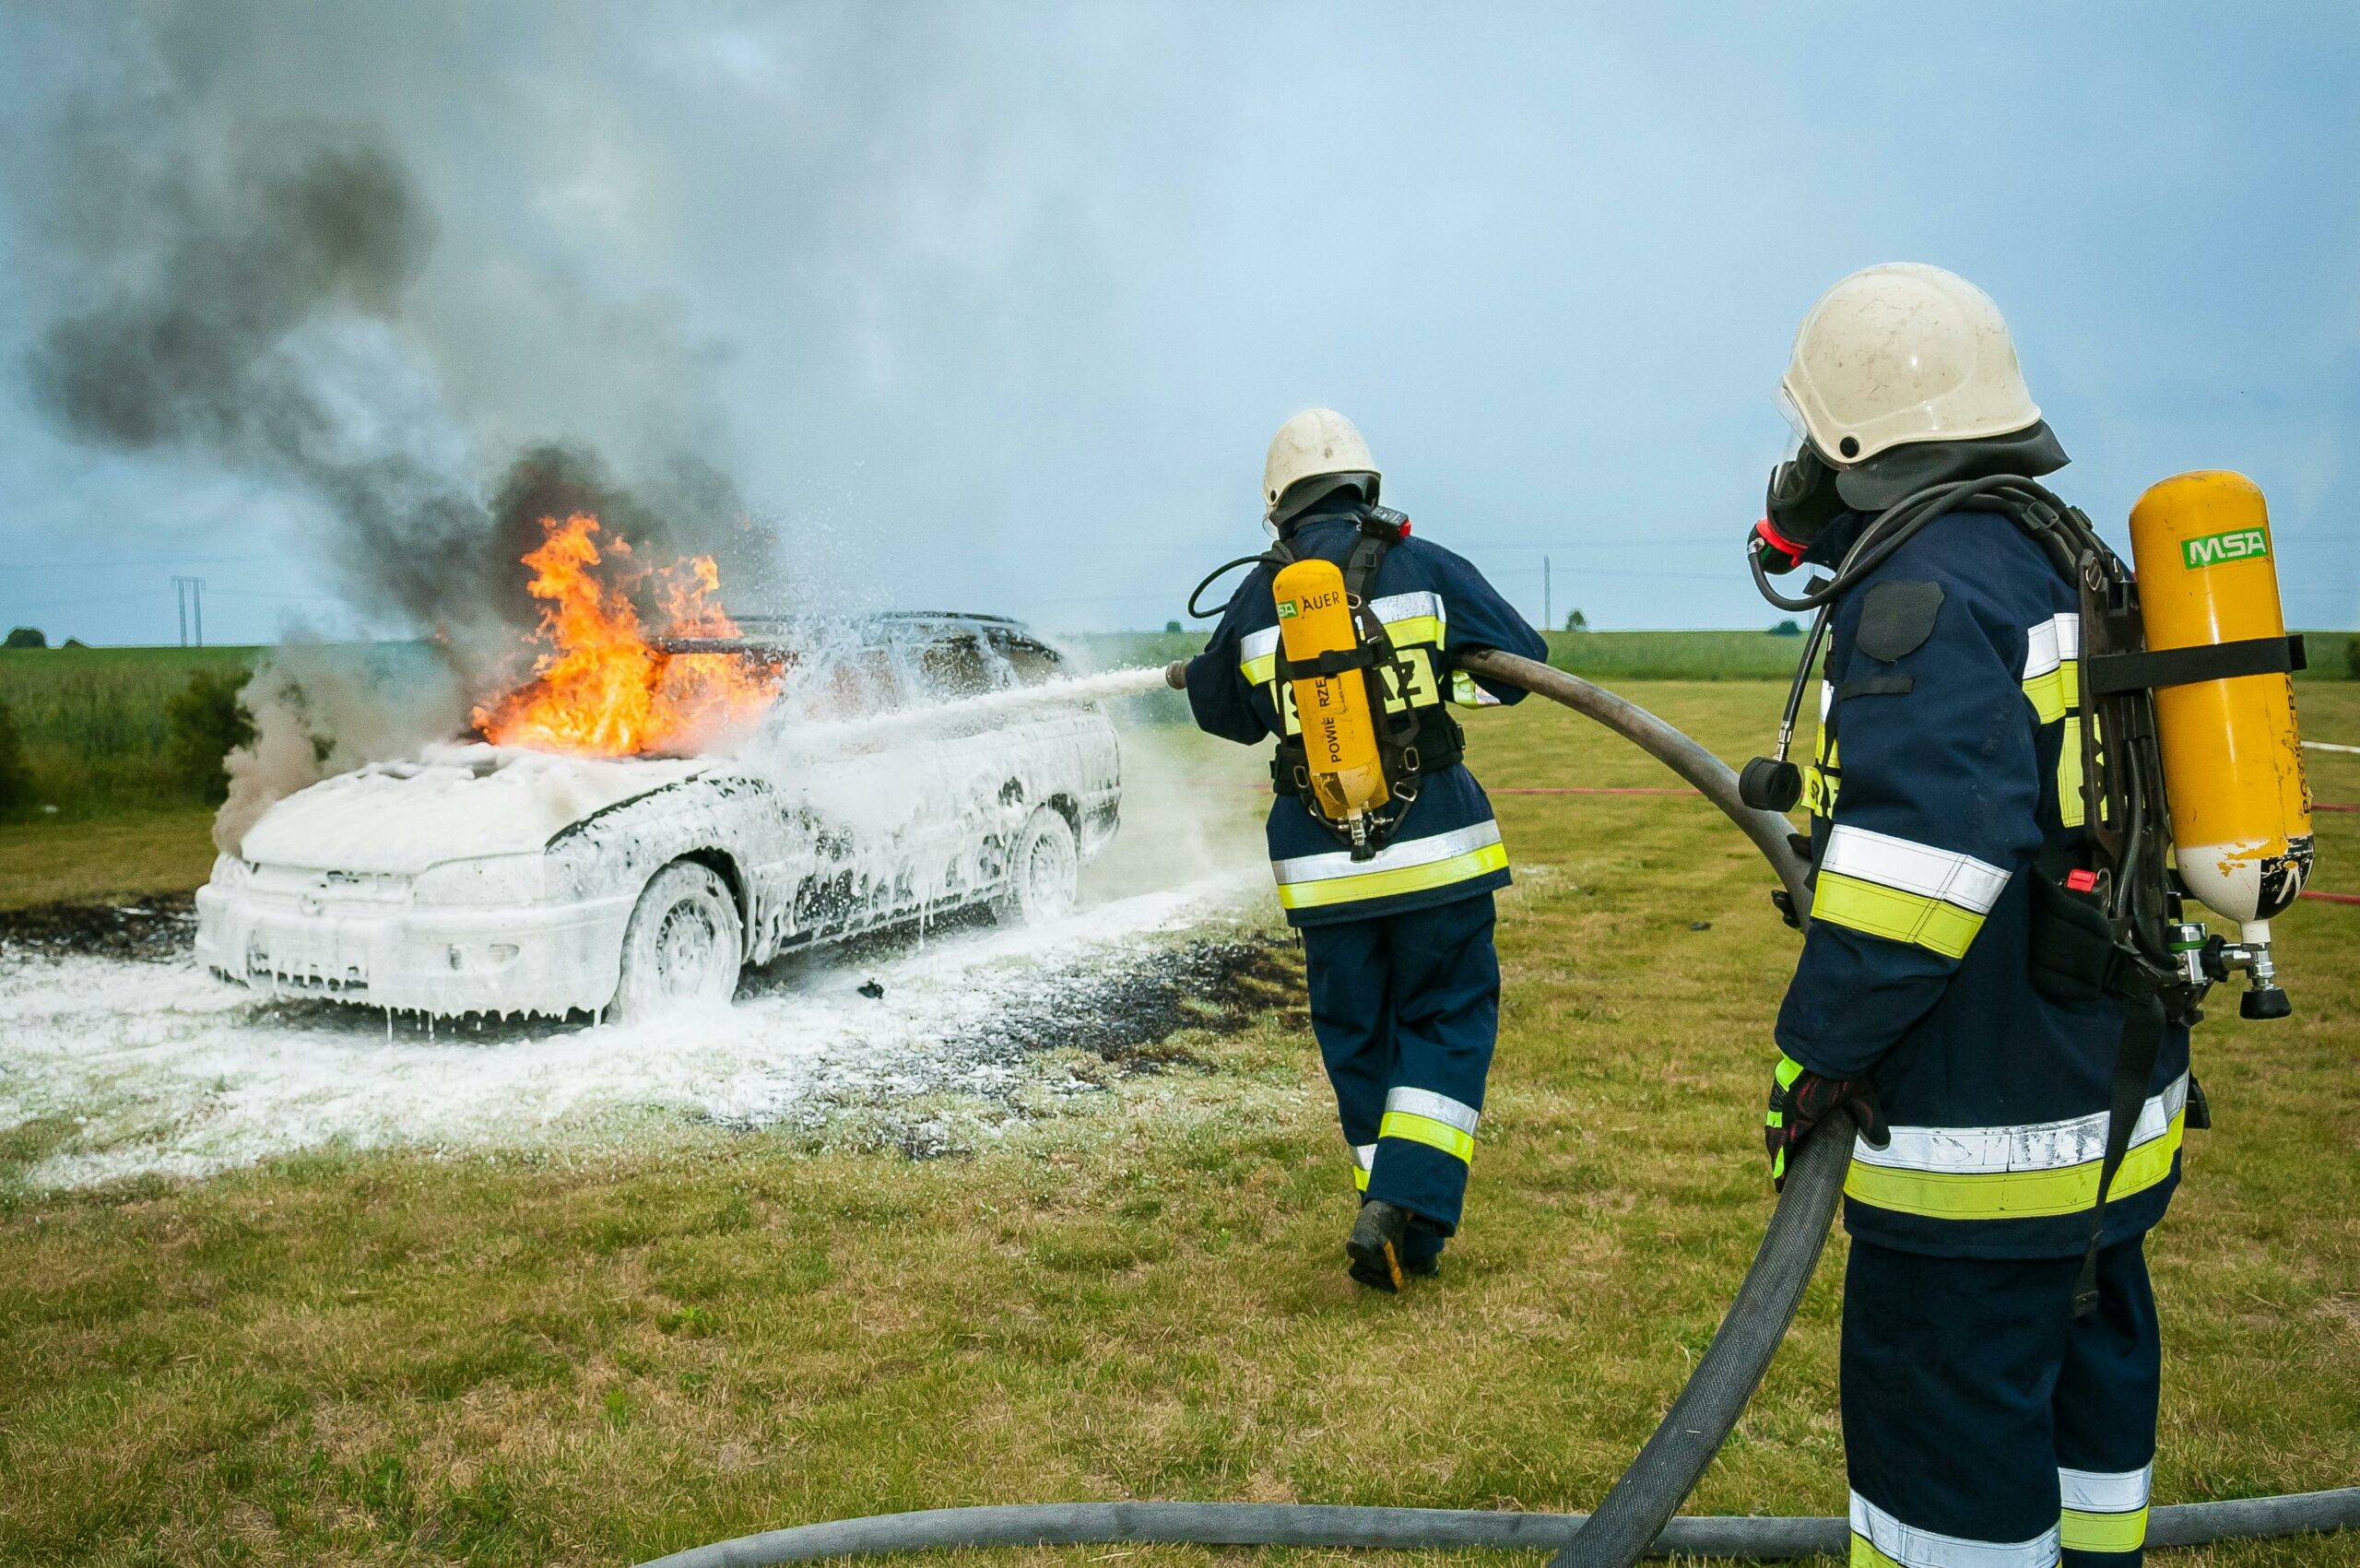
(1406, 1008)
(1983, 1423)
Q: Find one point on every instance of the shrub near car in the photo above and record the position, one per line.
(482, 879)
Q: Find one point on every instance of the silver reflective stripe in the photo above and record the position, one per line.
(1366, 1155)
(1393, 857)
(2050, 644)
(1434, 1108)
(2105, 1492)
(1826, 698)
(2036, 1146)
(1913, 1547)
(1257, 645)
(1407, 607)
(1914, 867)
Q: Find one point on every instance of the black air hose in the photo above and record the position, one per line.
(1636, 1519)
(1711, 776)
(1760, 1537)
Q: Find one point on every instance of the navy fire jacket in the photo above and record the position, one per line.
(1433, 604)
(1949, 754)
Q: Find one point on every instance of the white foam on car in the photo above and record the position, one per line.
(165, 1070)
(455, 802)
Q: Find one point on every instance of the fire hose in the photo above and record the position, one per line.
(1636, 1519)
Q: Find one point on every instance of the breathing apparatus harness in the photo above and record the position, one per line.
(1413, 742)
(2108, 916)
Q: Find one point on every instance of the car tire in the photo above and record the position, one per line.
(684, 945)
(1044, 871)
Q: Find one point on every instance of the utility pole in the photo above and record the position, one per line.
(1548, 599)
(188, 595)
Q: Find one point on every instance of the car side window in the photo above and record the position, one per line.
(1029, 662)
(860, 681)
(956, 665)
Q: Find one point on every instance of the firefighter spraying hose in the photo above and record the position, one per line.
(1636, 1519)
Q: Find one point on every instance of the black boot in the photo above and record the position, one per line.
(1422, 1249)
(1375, 1244)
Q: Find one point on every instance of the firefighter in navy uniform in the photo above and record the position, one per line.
(1986, 1420)
(1404, 981)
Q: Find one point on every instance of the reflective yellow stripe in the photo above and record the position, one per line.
(1866, 1555)
(2069, 774)
(1359, 1178)
(1261, 671)
(1915, 918)
(2103, 1532)
(1824, 777)
(2012, 1194)
(1426, 1130)
(1820, 785)
(1467, 693)
(1415, 629)
(1422, 692)
(2054, 691)
(1475, 863)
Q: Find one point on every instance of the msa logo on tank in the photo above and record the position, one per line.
(1289, 610)
(2215, 549)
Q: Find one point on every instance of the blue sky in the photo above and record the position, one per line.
(993, 307)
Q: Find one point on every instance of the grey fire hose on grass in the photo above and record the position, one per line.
(1637, 1517)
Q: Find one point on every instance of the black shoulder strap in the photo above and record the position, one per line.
(2134, 1064)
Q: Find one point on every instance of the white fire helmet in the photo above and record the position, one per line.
(1899, 353)
(1318, 440)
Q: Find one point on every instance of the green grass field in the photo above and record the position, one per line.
(590, 1357)
(92, 721)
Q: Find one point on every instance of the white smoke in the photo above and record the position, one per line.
(320, 710)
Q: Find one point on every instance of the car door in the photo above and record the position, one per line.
(869, 790)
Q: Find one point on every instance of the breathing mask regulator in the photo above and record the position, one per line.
(2191, 764)
(1802, 502)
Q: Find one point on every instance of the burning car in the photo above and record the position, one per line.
(563, 864)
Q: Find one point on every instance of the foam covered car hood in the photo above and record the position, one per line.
(457, 802)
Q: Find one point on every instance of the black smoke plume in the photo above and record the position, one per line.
(250, 306)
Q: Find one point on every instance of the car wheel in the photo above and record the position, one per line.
(684, 944)
(1044, 871)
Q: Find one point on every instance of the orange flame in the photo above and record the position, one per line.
(602, 691)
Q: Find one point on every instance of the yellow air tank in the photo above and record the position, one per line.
(1339, 729)
(2233, 760)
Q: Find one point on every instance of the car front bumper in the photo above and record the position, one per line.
(547, 959)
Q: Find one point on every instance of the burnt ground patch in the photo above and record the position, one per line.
(155, 929)
(1137, 1013)
(1130, 1013)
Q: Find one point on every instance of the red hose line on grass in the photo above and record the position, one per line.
(2332, 898)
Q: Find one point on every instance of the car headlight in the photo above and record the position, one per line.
(492, 879)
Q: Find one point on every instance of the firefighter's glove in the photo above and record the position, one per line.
(1801, 1099)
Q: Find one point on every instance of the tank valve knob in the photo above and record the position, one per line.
(2263, 999)
(2264, 1002)
(1770, 783)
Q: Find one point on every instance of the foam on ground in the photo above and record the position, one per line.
(166, 1071)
